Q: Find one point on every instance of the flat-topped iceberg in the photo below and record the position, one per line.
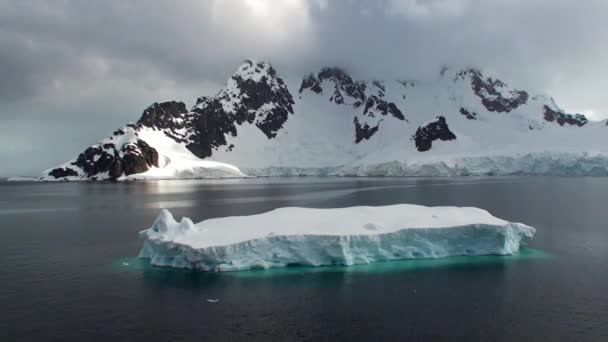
(318, 237)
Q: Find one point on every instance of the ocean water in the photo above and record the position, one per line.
(69, 272)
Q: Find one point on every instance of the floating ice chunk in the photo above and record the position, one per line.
(317, 237)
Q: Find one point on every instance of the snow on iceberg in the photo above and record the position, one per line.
(318, 237)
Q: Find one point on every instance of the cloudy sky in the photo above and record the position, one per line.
(73, 71)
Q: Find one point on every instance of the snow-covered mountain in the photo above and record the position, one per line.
(327, 123)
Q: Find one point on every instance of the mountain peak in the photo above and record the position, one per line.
(254, 69)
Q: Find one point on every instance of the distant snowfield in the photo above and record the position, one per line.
(317, 237)
(19, 179)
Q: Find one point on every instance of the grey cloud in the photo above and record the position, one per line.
(72, 71)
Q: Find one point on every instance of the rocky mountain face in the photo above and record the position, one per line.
(562, 118)
(368, 99)
(255, 94)
(111, 160)
(256, 119)
(495, 95)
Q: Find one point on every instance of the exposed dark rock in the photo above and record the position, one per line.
(364, 131)
(312, 83)
(133, 157)
(491, 98)
(211, 127)
(62, 172)
(562, 118)
(343, 84)
(94, 160)
(372, 101)
(375, 104)
(425, 135)
(392, 108)
(272, 123)
(138, 157)
(467, 114)
(116, 170)
(161, 115)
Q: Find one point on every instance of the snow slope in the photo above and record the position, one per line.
(174, 161)
(329, 123)
(317, 237)
(178, 163)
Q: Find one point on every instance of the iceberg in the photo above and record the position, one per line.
(322, 237)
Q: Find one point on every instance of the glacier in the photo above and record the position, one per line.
(323, 237)
(545, 163)
(532, 164)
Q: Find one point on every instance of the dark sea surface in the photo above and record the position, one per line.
(69, 272)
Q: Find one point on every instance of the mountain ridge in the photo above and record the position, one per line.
(330, 121)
